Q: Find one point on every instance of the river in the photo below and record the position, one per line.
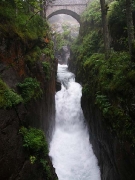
(70, 149)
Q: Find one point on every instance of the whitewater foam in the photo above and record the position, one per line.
(70, 149)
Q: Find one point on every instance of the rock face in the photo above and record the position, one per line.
(115, 159)
(14, 160)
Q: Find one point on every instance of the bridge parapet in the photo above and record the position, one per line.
(67, 2)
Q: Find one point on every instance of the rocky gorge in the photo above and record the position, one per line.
(38, 113)
(27, 96)
(27, 89)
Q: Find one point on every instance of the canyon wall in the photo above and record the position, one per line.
(115, 158)
(14, 158)
(109, 117)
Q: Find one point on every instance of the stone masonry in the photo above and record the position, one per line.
(73, 8)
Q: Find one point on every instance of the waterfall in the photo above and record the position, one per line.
(70, 149)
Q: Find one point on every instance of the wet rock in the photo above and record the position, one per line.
(115, 159)
(58, 86)
(14, 160)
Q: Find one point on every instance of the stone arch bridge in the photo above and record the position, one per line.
(73, 8)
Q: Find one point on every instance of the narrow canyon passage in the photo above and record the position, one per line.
(70, 150)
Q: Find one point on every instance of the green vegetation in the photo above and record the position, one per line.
(47, 69)
(93, 14)
(26, 43)
(65, 37)
(103, 103)
(35, 53)
(32, 159)
(35, 142)
(117, 29)
(110, 84)
(30, 89)
(46, 168)
(22, 21)
(90, 39)
(33, 56)
(48, 51)
(8, 97)
(62, 39)
(21, 25)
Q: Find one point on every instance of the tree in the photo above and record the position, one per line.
(104, 9)
(47, 3)
(27, 6)
(42, 2)
(43, 7)
(130, 29)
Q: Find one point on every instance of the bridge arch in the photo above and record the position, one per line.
(67, 12)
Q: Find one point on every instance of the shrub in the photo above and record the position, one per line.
(32, 159)
(103, 103)
(8, 97)
(48, 51)
(25, 24)
(92, 14)
(86, 90)
(111, 84)
(30, 89)
(34, 140)
(47, 69)
(117, 29)
(46, 168)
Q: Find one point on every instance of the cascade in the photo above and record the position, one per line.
(70, 149)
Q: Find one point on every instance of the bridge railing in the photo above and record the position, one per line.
(67, 5)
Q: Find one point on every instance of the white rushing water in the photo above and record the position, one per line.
(71, 152)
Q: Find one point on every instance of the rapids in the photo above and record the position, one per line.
(70, 149)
